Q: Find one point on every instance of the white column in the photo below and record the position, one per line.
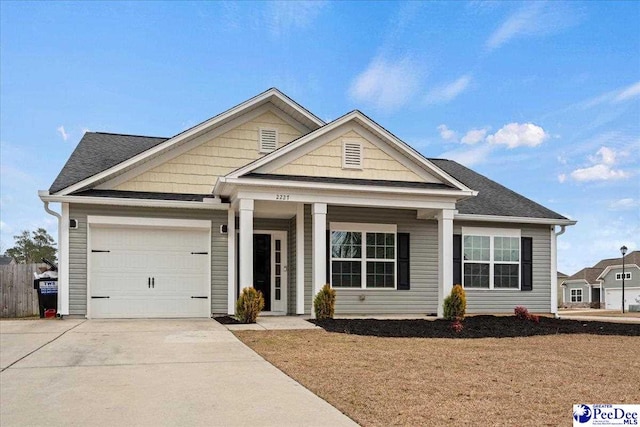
(63, 263)
(246, 243)
(300, 259)
(231, 262)
(319, 238)
(445, 256)
(554, 272)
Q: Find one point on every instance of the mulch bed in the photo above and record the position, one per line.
(475, 327)
(227, 320)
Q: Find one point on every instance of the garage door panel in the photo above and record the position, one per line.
(613, 298)
(176, 260)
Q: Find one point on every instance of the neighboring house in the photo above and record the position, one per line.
(602, 284)
(6, 260)
(561, 277)
(268, 195)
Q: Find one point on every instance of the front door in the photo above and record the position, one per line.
(262, 267)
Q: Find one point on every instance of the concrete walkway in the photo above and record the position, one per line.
(596, 315)
(145, 373)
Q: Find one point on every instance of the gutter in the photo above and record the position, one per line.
(516, 219)
(212, 203)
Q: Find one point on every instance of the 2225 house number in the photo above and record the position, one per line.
(282, 197)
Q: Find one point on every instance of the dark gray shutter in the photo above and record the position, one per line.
(457, 259)
(328, 256)
(403, 264)
(526, 264)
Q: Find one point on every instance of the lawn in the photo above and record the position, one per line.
(380, 381)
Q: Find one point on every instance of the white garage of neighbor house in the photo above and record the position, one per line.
(268, 195)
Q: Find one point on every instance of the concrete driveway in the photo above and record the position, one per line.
(145, 372)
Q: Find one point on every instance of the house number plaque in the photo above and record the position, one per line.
(282, 197)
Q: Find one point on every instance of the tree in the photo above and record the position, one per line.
(32, 247)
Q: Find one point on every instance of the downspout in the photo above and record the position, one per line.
(554, 268)
(62, 270)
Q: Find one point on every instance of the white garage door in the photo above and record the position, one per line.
(148, 272)
(613, 298)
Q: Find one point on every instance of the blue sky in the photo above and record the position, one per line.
(543, 97)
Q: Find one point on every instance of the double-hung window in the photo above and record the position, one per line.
(363, 255)
(576, 295)
(491, 258)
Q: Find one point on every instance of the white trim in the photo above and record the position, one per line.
(627, 276)
(513, 219)
(611, 267)
(319, 247)
(300, 259)
(63, 265)
(360, 226)
(353, 144)
(554, 271)
(239, 109)
(246, 207)
(208, 203)
(445, 257)
(231, 262)
(363, 121)
(571, 301)
(143, 222)
(492, 233)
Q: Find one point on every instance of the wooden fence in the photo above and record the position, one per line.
(19, 299)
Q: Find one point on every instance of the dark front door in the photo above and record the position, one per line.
(262, 267)
(595, 295)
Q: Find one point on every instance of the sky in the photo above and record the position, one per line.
(543, 97)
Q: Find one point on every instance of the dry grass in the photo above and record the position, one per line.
(435, 382)
(599, 313)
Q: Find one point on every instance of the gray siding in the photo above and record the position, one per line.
(504, 301)
(609, 281)
(566, 293)
(78, 250)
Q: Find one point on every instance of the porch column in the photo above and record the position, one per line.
(246, 243)
(445, 256)
(231, 262)
(590, 290)
(319, 238)
(300, 259)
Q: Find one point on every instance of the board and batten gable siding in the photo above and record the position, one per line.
(198, 170)
(423, 295)
(78, 249)
(326, 161)
(505, 300)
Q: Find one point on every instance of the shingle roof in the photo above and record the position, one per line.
(5, 260)
(590, 274)
(98, 151)
(143, 195)
(492, 198)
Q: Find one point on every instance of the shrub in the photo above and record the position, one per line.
(249, 305)
(523, 314)
(457, 326)
(455, 304)
(324, 302)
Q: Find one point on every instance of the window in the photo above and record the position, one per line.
(268, 140)
(627, 275)
(491, 258)
(576, 295)
(351, 154)
(363, 256)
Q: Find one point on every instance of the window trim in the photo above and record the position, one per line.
(260, 148)
(492, 233)
(627, 275)
(578, 293)
(364, 228)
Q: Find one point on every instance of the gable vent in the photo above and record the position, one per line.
(268, 140)
(352, 155)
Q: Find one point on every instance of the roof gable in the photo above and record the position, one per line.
(103, 166)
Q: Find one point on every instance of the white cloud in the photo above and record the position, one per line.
(562, 178)
(5, 228)
(628, 93)
(386, 84)
(613, 97)
(533, 19)
(474, 136)
(283, 16)
(624, 204)
(62, 132)
(449, 91)
(469, 157)
(446, 133)
(601, 169)
(519, 134)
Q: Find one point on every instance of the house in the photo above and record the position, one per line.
(268, 195)
(560, 278)
(6, 260)
(601, 285)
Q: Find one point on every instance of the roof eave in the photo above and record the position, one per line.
(514, 219)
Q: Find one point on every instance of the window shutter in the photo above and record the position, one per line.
(352, 155)
(526, 264)
(403, 264)
(328, 256)
(268, 140)
(457, 259)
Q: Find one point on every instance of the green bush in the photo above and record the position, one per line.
(455, 304)
(249, 305)
(324, 302)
